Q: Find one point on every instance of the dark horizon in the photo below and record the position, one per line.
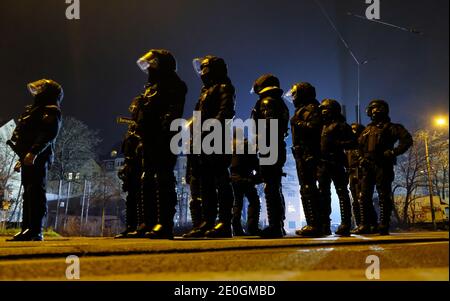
(94, 58)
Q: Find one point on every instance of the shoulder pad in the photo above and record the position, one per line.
(52, 107)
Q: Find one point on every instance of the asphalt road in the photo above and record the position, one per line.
(405, 257)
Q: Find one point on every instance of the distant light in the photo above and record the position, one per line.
(113, 154)
(441, 121)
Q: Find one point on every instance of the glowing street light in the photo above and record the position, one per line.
(439, 121)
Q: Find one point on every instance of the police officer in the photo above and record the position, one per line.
(355, 175)
(161, 103)
(306, 126)
(336, 137)
(217, 101)
(131, 173)
(244, 176)
(270, 106)
(380, 144)
(34, 141)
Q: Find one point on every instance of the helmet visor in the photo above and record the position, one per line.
(148, 61)
(197, 64)
(289, 96)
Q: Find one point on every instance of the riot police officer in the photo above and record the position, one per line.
(306, 126)
(380, 144)
(217, 101)
(244, 176)
(336, 137)
(271, 106)
(355, 175)
(161, 103)
(131, 173)
(34, 141)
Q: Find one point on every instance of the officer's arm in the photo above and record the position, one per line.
(50, 125)
(405, 140)
(175, 108)
(226, 99)
(348, 139)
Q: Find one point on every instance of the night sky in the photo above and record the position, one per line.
(94, 58)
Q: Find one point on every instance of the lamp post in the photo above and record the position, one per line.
(430, 184)
(358, 62)
(438, 122)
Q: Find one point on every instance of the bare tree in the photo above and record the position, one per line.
(411, 176)
(75, 145)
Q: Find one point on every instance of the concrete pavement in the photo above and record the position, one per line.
(406, 256)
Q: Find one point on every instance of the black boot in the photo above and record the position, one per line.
(343, 230)
(199, 232)
(125, 233)
(160, 232)
(272, 232)
(139, 232)
(385, 216)
(27, 235)
(311, 229)
(346, 212)
(221, 230)
(364, 217)
(237, 229)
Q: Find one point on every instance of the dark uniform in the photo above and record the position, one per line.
(130, 174)
(244, 176)
(217, 101)
(354, 172)
(160, 104)
(270, 106)
(337, 136)
(379, 152)
(306, 126)
(34, 141)
(193, 178)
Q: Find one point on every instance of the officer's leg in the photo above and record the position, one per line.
(340, 180)
(27, 178)
(195, 204)
(254, 209)
(131, 213)
(148, 207)
(384, 178)
(166, 198)
(209, 195)
(307, 175)
(365, 200)
(27, 181)
(324, 207)
(354, 183)
(238, 189)
(38, 204)
(225, 197)
(274, 201)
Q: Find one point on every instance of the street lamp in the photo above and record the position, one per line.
(358, 62)
(438, 122)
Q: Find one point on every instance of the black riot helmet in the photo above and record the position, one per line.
(330, 109)
(378, 110)
(300, 94)
(46, 92)
(357, 129)
(158, 61)
(211, 69)
(266, 83)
